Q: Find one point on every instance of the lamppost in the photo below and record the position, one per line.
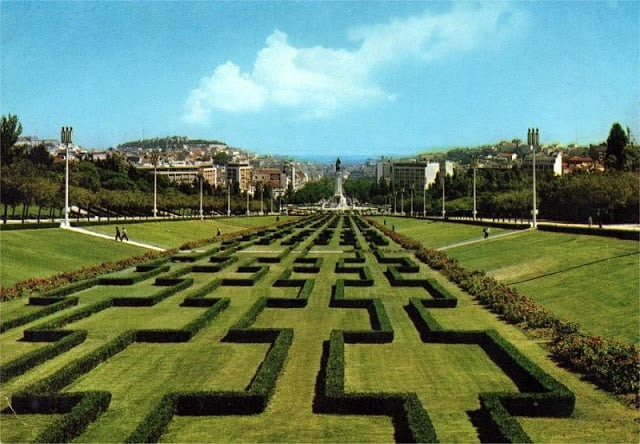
(229, 198)
(201, 177)
(248, 199)
(533, 140)
(262, 200)
(424, 201)
(154, 158)
(444, 211)
(412, 201)
(475, 166)
(65, 137)
(402, 203)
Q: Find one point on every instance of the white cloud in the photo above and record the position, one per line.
(317, 82)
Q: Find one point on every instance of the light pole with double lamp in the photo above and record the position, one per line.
(533, 140)
(65, 138)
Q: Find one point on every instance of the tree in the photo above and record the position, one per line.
(9, 133)
(616, 143)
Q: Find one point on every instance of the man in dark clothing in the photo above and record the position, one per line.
(118, 237)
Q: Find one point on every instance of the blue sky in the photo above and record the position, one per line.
(335, 78)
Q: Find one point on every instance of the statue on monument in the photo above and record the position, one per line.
(338, 165)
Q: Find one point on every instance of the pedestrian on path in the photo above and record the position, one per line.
(124, 235)
(486, 232)
(118, 237)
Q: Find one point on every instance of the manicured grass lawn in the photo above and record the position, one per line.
(592, 280)
(435, 234)
(446, 377)
(28, 254)
(173, 234)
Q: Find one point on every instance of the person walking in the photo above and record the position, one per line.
(124, 235)
(118, 237)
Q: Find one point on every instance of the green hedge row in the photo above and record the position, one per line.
(29, 360)
(197, 298)
(258, 273)
(275, 259)
(540, 394)
(49, 331)
(309, 265)
(218, 263)
(253, 400)
(173, 287)
(88, 407)
(54, 305)
(133, 277)
(381, 329)
(633, 235)
(68, 289)
(411, 421)
(301, 299)
(188, 331)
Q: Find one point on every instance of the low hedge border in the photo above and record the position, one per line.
(309, 265)
(541, 394)
(257, 274)
(253, 400)
(173, 287)
(218, 263)
(29, 360)
(381, 328)
(52, 305)
(411, 421)
(633, 235)
(197, 298)
(301, 299)
(80, 409)
(612, 365)
(216, 306)
(442, 298)
(133, 277)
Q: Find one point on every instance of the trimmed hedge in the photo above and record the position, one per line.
(610, 364)
(49, 331)
(381, 329)
(133, 277)
(258, 273)
(29, 360)
(411, 421)
(633, 235)
(86, 409)
(188, 331)
(174, 286)
(541, 394)
(53, 305)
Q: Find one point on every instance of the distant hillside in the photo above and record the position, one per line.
(170, 142)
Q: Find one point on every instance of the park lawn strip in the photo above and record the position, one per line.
(435, 234)
(28, 254)
(172, 234)
(587, 279)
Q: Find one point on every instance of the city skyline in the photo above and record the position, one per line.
(330, 78)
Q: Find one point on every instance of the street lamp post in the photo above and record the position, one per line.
(424, 201)
(411, 202)
(402, 203)
(154, 157)
(261, 200)
(248, 201)
(533, 140)
(229, 199)
(201, 176)
(65, 137)
(475, 166)
(444, 210)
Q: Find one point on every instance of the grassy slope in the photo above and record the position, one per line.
(588, 279)
(435, 234)
(174, 234)
(28, 254)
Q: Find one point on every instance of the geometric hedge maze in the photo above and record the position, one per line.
(286, 261)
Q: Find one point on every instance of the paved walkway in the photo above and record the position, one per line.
(482, 239)
(106, 236)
